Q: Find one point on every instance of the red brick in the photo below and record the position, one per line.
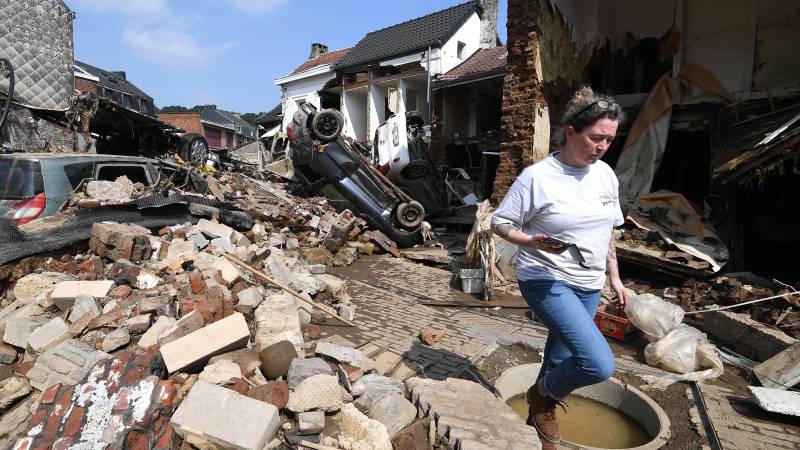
(63, 401)
(274, 392)
(50, 394)
(165, 394)
(136, 440)
(24, 444)
(74, 422)
(186, 306)
(239, 385)
(108, 318)
(167, 439)
(120, 292)
(196, 282)
(123, 399)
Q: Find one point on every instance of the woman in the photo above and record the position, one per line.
(561, 212)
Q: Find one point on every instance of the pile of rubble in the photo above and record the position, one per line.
(148, 340)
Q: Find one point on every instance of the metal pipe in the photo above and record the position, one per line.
(429, 83)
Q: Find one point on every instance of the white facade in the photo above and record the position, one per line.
(302, 88)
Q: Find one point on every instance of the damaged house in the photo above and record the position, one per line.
(714, 96)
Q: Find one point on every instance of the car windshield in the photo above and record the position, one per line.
(20, 178)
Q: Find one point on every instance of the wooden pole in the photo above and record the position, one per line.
(277, 283)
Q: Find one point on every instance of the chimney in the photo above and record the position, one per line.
(119, 74)
(489, 24)
(317, 49)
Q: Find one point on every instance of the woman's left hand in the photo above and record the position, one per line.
(619, 289)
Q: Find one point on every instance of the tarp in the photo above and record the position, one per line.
(673, 217)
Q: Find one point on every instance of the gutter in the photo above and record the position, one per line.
(441, 84)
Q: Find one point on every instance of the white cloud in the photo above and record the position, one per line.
(170, 46)
(131, 8)
(257, 6)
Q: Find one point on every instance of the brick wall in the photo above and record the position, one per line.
(187, 121)
(522, 90)
(86, 86)
(122, 401)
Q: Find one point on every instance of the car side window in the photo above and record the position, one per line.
(78, 172)
(135, 173)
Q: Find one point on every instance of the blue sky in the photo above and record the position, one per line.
(226, 52)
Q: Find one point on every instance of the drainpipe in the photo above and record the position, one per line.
(429, 83)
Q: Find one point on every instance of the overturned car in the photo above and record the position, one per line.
(322, 155)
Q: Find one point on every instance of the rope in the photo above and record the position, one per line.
(702, 311)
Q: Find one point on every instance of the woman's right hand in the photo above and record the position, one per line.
(537, 242)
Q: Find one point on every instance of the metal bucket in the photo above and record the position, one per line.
(471, 280)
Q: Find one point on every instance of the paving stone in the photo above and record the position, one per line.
(64, 293)
(67, 363)
(18, 330)
(372, 387)
(470, 415)
(782, 371)
(359, 432)
(316, 392)
(48, 335)
(394, 411)
(276, 359)
(226, 418)
(300, 369)
(191, 352)
(13, 389)
(116, 339)
(84, 304)
(751, 338)
(274, 392)
(277, 320)
(338, 353)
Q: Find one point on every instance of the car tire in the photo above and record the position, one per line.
(327, 124)
(410, 214)
(193, 149)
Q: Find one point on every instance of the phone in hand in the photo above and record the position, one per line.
(553, 242)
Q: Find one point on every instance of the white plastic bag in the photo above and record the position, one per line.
(653, 316)
(684, 350)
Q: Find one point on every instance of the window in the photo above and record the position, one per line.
(127, 101)
(460, 50)
(135, 173)
(300, 102)
(77, 172)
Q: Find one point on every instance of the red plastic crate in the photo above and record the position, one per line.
(613, 323)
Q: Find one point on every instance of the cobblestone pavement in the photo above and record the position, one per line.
(387, 290)
(741, 424)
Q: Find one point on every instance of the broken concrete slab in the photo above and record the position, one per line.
(277, 320)
(300, 369)
(250, 297)
(34, 284)
(226, 418)
(782, 371)
(394, 411)
(316, 392)
(67, 362)
(13, 389)
(752, 339)
(359, 432)
(339, 353)
(84, 304)
(470, 415)
(216, 230)
(191, 352)
(371, 388)
(49, 335)
(220, 372)
(64, 293)
(17, 331)
(150, 337)
(311, 422)
(18, 308)
(776, 400)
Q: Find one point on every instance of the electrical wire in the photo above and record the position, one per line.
(702, 311)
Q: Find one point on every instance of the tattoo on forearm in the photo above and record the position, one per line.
(611, 259)
(504, 229)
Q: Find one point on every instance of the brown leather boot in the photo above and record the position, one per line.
(542, 416)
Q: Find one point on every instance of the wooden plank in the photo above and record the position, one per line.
(782, 371)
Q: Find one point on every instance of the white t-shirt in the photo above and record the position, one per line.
(576, 205)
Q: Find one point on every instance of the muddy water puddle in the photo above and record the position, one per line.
(591, 423)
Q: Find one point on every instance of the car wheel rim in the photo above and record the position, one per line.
(198, 152)
(411, 215)
(328, 125)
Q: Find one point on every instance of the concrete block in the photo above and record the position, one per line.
(67, 362)
(751, 338)
(64, 293)
(320, 392)
(193, 350)
(17, 331)
(31, 285)
(339, 353)
(151, 336)
(48, 335)
(782, 371)
(277, 320)
(216, 230)
(84, 304)
(394, 411)
(300, 369)
(226, 418)
(776, 400)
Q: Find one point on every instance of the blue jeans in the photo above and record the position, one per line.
(576, 353)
